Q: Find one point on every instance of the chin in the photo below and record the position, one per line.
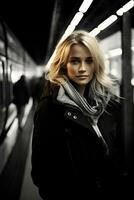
(82, 82)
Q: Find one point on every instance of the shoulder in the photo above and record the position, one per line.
(46, 102)
(50, 89)
(114, 104)
(115, 108)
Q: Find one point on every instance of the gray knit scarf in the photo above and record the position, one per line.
(69, 95)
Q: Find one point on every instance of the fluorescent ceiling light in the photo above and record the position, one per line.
(125, 8)
(128, 6)
(94, 32)
(68, 31)
(78, 16)
(120, 12)
(107, 22)
(85, 5)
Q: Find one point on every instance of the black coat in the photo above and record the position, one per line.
(68, 159)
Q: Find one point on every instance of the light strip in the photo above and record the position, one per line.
(85, 5)
(94, 32)
(78, 16)
(128, 6)
(120, 12)
(107, 22)
(76, 19)
(103, 25)
(68, 31)
(125, 8)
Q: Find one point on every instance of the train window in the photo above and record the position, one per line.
(9, 85)
(2, 46)
(1, 32)
(113, 61)
(14, 48)
(1, 82)
(12, 54)
(133, 56)
(2, 97)
(112, 53)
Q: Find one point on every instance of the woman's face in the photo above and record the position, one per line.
(80, 66)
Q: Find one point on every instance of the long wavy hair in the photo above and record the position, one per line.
(101, 83)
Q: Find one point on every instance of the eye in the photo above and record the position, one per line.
(74, 61)
(89, 60)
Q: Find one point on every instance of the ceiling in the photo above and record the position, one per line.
(40, 25)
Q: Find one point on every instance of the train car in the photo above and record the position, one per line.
(14, 62)
(113, 54)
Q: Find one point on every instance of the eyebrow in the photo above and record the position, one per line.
(76, 57)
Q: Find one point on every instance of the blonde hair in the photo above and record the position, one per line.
(101, 82)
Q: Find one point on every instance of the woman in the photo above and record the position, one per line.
(76, 147)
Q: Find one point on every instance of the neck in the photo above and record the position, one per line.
(79, 88)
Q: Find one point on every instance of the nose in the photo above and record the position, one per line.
(82, 67)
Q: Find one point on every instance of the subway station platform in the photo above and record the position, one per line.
(28, 190)
(15, 180)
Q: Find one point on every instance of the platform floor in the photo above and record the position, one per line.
(29, 191)
(15, 180)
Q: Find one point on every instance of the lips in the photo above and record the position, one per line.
(82, 76)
